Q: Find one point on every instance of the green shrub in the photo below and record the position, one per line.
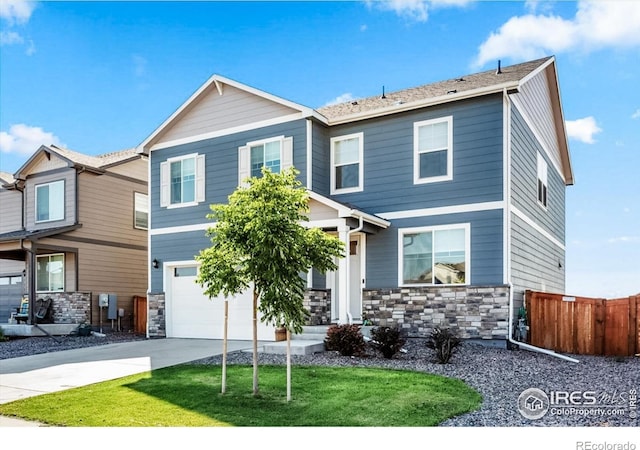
(2, 336)
(387, 340)
(444, 342)
(345, 339)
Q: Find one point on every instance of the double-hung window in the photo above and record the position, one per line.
(542, 181)
(434, 255)
(141, 211)
(50, 201)
(347, 166)
(276, 154)
(50, 273)
(182, 181)
(433, 150)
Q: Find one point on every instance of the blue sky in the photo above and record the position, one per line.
(101, 76)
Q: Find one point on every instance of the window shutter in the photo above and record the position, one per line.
(243, 164)
(164, 184)
(200, 182)
(287, 153)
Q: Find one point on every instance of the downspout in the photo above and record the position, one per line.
(348, 277)
(529, 346)
(507, 212)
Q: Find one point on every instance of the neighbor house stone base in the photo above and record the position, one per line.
(69, 307)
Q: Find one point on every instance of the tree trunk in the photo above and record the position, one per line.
(224, 346)
(255, 342)
(288, 365)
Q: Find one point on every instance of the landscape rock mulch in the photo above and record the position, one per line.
(597, 391)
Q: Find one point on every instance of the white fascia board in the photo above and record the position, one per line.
(228, 131)
(182, 229)
(537, 227)
(447, 98)
(346, 212)
(442, 210)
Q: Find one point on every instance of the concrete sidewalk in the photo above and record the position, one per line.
(29, 376)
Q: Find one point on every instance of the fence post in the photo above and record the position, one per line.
(634, 332)
(598, 332)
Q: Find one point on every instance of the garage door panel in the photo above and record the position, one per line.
(191, 314)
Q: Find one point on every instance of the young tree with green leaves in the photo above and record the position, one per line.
(260, 241)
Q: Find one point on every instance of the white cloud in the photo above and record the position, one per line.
(597, 24)
(624, 240)
(583, 129)
(10, 37)
(24, 139)
(636, 115)
(414, 10)
(347, 97)
(16, 11)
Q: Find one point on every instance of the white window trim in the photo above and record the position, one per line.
(360, 186)
(417, 152)
(199, 181)
(36, 200)
(136, 195)
(244, 155)
(542, 175)
(467, 251)
(64, 270)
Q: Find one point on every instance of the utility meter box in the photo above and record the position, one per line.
(112, 312)
(103, 300)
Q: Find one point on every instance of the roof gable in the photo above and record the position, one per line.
(221, 106)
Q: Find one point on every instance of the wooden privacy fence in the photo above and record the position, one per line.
(140, 314)
(584, 326)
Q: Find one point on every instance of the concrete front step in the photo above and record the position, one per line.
(298, 347)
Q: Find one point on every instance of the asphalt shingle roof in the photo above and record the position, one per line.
(460, 84)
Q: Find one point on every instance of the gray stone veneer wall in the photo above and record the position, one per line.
(475, 312)
(156, 323)
(70, 307)
(318, 303)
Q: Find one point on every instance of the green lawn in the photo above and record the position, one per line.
(189, 396)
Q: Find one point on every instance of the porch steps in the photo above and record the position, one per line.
(310, 341)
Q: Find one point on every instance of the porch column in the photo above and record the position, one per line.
(343, 276)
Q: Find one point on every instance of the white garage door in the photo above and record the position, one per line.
(191, 314)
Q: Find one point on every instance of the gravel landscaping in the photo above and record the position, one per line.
(602, 384)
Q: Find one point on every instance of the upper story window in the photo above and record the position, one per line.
(50, 201)
(267, 154)
(182, 181)
(347, 166)
(542, 181)
(274, 153)
(141, 211)
(433, 150)
(434, 255)
(50, 273)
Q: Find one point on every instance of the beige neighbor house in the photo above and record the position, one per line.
(73, 227)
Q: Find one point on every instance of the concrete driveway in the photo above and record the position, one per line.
(29, 376)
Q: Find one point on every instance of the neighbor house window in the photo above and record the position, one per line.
(182, 181)
(276, 154)
(50, 201)
(347, 163)
(542, 181)
(433, 150)
(141, 211)
(434, 255)
(50, 273)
